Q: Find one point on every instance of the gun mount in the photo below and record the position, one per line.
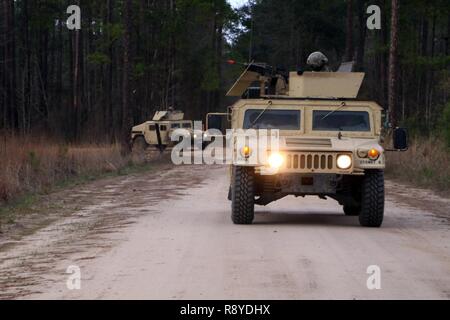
(169, 115)
(277, 83)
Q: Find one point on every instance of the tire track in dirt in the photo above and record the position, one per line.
(83, 223)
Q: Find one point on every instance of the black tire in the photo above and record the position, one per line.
(372, 199)
(352, 211)
(139, 145)
(243, 195)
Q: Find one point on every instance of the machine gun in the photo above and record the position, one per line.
(272, 81)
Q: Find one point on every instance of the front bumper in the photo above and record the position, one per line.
(309, 162)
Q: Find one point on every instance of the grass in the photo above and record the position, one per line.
(29, 203)
(30, 167)
(425, 164)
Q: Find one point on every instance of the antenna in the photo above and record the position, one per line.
(250, 48)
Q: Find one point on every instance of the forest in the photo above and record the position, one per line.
(132, 57)
(128, 59)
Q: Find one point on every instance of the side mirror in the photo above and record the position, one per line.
(400, 139)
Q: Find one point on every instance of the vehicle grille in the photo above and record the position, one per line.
(312, 162)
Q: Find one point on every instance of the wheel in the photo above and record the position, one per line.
(243, 195)
(351, 210)
(139, 145)
(372, 199)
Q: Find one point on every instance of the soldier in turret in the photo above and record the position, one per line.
(318, 62)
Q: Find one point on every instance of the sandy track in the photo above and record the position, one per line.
(170, 236)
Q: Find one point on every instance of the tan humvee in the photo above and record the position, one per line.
(329, 143)
(157, 132)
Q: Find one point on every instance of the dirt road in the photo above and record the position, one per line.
(169, 236)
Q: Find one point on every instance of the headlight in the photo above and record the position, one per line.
(246, 152)
(362, 153)
(344, 161)
(373, 154)
(195, 136)
(275, 160)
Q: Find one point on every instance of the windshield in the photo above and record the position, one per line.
(272, 119)
(341, 121)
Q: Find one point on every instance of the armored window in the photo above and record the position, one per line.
(186, 125)
(272, 119)
(163, 127)
(175, 125)
(326, 120)
(152, 127)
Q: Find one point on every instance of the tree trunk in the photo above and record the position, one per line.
(393, 68)
(60, 65)
(75, 85)
(126, 107)
(349, 35)
(12, 50)
(383, 66)
(361, 36)
(109, 76)
(8, 66)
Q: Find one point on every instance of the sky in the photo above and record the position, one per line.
(237, 3)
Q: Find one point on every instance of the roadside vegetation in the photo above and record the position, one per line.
(38, 165)
(427, 162)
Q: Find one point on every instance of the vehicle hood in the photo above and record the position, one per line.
(328, 144)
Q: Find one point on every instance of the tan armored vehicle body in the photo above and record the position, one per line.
(157, 132)
(329, 143)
